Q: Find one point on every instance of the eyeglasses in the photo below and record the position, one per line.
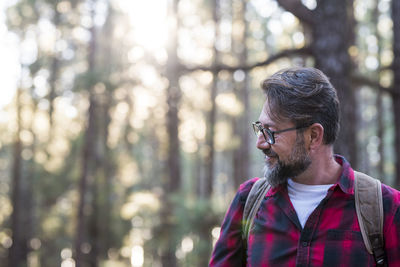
(269, 135)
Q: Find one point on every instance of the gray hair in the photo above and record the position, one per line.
(304, 96)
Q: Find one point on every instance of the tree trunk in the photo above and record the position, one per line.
(100, 220)
(332, 34)
(379, 105)
(55, 67)
(88, 155)
(29, 196)
(241, 156)
(209, 160)
(207, 191)
(172, 181)
(108, 171)
(332, 25)
(173, 100)
(87, 171)
(17, 252)
(396, 86)
(94, 221)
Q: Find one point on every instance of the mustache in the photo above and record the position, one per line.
(269, 153)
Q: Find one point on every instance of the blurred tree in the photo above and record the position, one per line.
(206, 188)
(103, 221)
(18, 252)
(209, 162)
(333, 35)
(54, 70)
(396, 84)
(23, 168)
(241, 153)
(379, 95)
(89, 156)
(331, 24)
(172, 176)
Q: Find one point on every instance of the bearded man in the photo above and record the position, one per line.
(308, 216)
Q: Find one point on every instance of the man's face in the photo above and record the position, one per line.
(287, 158)
(297, 162)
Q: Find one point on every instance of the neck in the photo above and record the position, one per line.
(323, 170)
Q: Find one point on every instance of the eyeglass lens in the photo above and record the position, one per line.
(260, 130)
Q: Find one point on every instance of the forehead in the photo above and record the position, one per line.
(267, 119)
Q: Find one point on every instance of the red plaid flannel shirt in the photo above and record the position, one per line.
(331, 236)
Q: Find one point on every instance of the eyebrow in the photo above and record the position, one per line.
(266, 125)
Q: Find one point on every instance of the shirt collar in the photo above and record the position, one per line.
(346, 178)
(345, 181)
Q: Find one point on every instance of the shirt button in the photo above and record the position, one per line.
(304, 244)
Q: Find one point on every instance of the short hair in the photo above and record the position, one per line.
(304, 96)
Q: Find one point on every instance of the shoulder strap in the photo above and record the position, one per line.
(253, 201)
(369, 208)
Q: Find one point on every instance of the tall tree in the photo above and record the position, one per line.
(172, 180)
(54, 70)
(106, 161)
(241, 155)
(87, 172)
(18, 250)
(332, 35)
(396, 84)
(212, 114)
(379, 95)
(88, 166)
(30, 196)
(22, 173)
(207, 188)
(331, 24)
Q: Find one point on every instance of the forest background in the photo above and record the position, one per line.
(126, 124)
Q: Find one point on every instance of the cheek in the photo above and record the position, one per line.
(281, 154)
(282, 150)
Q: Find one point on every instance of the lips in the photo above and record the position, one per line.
(269, 153)
(270, 157)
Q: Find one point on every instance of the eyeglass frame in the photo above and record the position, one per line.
(258, 127)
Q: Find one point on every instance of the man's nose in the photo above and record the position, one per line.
(262, 143)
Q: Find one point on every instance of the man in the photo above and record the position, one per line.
(308, 217)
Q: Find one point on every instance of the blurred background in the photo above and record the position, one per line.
(126, 124)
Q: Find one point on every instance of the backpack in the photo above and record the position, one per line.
(369, 209)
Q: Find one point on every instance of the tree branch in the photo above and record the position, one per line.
(360, 80)
(299, 10)
(286, 53)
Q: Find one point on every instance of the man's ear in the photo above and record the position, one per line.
(315, 135)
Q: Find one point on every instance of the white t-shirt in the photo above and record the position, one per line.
(305, 198)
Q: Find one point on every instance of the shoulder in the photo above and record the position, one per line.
(391, 210)
(244, 189)
(390, 193)
(390, 196)
(391, 199)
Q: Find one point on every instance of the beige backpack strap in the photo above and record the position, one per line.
(369, 208)
(253, 202)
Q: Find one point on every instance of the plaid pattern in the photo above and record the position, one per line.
(331, 236)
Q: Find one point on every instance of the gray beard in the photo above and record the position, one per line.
(297, 163)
